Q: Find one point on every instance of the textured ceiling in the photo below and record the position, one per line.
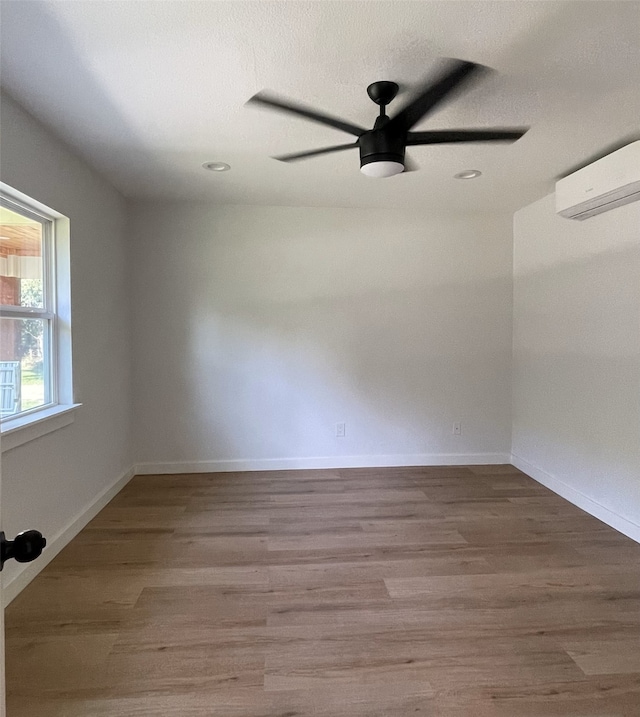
(148, 91)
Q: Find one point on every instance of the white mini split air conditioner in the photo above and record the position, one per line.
(610, 182)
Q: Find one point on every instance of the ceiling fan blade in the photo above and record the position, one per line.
(315, 152)
(267, 100)
(409, 165)
(465, 135)
(451, 79)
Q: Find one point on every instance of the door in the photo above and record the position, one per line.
(24, 548)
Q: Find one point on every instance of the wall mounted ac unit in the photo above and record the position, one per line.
(610, 182)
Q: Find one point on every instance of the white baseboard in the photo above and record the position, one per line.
(63, 537)
(616, 521)
(283, 464)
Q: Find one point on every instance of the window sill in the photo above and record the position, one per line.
(21, 430)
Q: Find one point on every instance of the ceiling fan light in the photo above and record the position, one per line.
(381, 169)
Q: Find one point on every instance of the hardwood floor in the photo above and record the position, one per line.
(443, 592)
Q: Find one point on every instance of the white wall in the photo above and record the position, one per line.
(258, 328)
(49, 482)
(576, 383)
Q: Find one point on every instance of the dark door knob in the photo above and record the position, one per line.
(27, 546)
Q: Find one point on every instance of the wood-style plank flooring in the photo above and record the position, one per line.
(441, 592)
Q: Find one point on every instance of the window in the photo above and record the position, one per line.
(35, 345)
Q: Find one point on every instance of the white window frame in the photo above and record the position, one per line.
(58, 411)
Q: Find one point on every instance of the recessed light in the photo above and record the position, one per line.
(468, 174)
(216, 166)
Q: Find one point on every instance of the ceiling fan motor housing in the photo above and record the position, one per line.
(380, 146)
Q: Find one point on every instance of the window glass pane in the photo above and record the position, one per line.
(24, 373)
(21, 261)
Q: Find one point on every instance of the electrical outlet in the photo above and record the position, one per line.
(457, 428)
(341, 430)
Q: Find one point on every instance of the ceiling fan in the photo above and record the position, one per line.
(382, 149)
